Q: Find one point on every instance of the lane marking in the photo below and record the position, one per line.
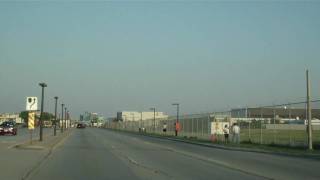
(124, 157)
(201, 158)
(211, 160)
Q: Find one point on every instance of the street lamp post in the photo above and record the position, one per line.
(43, 85)
(177, 121)
(61, 120)
(154, 119)
(55, 116)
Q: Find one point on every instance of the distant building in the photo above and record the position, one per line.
(10, 117)
(281, 114)
(92, 119)
(137, 116)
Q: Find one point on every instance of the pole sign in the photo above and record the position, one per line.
(31, 116)
(32, 104)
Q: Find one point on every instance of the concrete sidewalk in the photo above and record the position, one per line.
(23, 158)
(49, 141)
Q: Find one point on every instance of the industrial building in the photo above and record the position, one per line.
(280, 113)
(10, 117)
(137, 116)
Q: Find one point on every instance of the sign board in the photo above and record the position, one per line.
(31, 117)
(32, 104)
(217, 127)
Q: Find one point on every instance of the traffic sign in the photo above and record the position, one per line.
(31, 116)
(32, 104)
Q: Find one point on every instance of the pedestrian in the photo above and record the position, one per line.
(177, 128)
(236, 133)
(226, 132)
(164, 128)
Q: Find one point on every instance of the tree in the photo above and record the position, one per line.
(24, 115)
(47, 116)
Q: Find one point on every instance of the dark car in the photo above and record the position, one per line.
(81, 126)
(8, 128)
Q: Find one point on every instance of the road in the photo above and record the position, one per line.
(103, 154)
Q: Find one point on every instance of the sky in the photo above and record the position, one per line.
(109, 56)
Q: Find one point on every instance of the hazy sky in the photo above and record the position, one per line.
(111, 56)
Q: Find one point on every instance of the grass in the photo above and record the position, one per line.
(279, 137)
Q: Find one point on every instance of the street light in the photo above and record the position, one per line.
(177, 121)
(154, 119)
(43, 85)
(55, 116)
(61, 120)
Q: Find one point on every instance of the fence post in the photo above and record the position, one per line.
(274, 126)
(290, 130)
(191, 126)
(249, 126)
(209, 126)
(262, 119)
(197, 132)
(202, 128)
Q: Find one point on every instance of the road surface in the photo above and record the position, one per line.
(93, 153)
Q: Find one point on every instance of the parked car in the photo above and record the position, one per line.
(8, 127)
(81, 126)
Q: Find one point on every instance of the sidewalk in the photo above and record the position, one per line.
(49, 141)
(23, 158)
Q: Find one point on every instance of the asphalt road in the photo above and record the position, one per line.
(102, 154)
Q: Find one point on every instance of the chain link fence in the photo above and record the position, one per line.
(283, 124)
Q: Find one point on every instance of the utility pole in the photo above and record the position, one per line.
(61, 120)
(43, 85)
(309, 116)
(55, 116)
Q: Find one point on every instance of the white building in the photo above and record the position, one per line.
(137, 116)
(10, 117)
